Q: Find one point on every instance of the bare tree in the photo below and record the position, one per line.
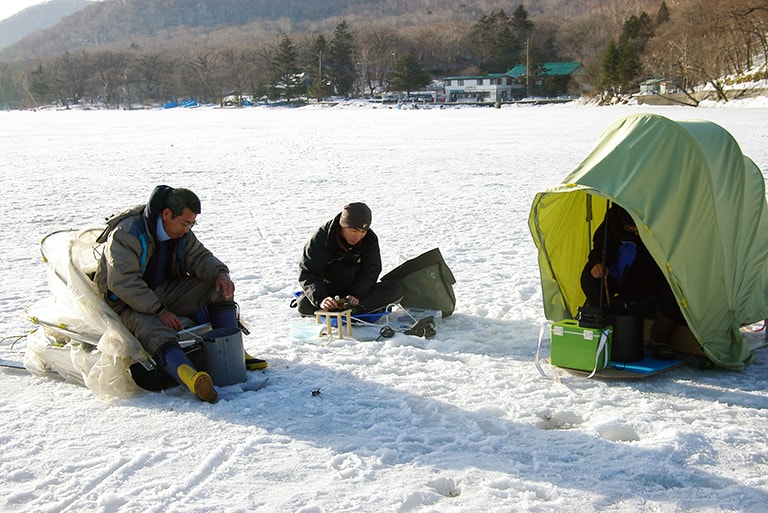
(233, 77)
(205, 67)
(108, 79)
(704, 42)
(251, 75)
(152, 71)
(750, 21)
(376, 52)
(69, 78)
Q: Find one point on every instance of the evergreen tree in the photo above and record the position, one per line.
(637, 31)
(523, 26)
(9, 83)
(408, 75)
(628, 66)
(524, 30)
(609, 65)
(620, 66)
(39, 86)
(662, 16)
(500, 39)
(317, 68)
(318, 51)
(341, 60)
(284, 69)
(498, 47)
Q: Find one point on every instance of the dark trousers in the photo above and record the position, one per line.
(653, 296)
(183, 296)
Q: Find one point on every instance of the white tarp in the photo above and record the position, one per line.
(78, 335)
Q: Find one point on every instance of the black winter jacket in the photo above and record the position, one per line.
(642, 275)
(330, 267)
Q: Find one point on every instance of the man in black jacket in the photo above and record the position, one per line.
(630, 270)
(342, 260)
(631, 274)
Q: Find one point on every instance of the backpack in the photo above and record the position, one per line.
(114, 220)
(427, 282)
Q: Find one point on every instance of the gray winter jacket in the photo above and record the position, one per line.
(128, 250)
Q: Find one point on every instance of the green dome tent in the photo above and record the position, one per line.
(701, 208)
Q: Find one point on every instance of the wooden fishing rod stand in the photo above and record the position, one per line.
(344, 314)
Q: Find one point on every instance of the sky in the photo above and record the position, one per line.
(461, 422)
(10, 7)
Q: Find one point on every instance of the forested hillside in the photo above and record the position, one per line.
(114, 24)
(36, 19)
(144, 52)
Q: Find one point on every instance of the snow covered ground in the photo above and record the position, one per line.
(462, 422)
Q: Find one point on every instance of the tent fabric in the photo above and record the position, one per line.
(427, 282)
(701, 208)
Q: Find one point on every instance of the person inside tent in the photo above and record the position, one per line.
(154, 271)
(341, 264)
(631, 274)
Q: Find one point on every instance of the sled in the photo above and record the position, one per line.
(645, 368)
(369, 326)
(688, 352)
(605, 367)
(77, 336)
(11, 364)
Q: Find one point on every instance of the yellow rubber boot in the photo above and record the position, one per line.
(252, 363)
(199, 383)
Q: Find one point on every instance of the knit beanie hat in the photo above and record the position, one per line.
(356, 215)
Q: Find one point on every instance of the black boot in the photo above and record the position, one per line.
(660, 338)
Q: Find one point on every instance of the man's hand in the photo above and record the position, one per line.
(225, 285)
(170, 319)
(597, 270)
(329, 304)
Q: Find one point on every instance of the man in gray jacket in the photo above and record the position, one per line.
(154, 270)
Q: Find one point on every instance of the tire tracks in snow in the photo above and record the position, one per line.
(183, 493)
(74, 493)
(76, 487)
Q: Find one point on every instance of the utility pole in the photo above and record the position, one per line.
(528, 67)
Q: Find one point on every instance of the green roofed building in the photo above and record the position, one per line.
(548, 80)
